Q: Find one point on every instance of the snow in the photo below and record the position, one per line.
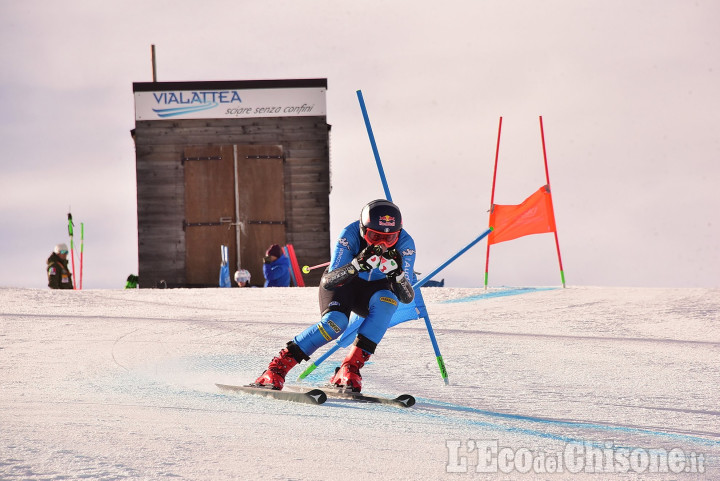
(119, 384)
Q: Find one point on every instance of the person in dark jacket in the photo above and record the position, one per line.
(59, 275)
(276, 267)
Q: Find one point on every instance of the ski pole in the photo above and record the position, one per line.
(72, 246)
(307, 269)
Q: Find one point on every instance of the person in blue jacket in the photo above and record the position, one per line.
(369, 273)
(276, 267)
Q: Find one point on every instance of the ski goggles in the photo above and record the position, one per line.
(387, 239)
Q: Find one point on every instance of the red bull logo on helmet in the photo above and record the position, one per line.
(387, 221)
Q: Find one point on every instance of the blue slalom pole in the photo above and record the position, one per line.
(462, 251)
(436, 348)
(383, 179)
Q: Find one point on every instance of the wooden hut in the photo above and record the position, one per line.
(238, 163)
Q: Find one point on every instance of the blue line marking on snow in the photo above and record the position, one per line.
(178, 384)
(553, 422)
(509, 291)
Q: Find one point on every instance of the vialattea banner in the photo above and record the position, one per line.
(222, 104)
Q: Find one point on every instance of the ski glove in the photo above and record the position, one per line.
(368, 259)
(391, 264)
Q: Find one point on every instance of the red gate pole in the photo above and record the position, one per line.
(82, 248)
(547, 177)
(492, 200)
(72, 248)
(295, 267)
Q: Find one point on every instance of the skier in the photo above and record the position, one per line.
(276, 267)
(368, 274)
(59, 276)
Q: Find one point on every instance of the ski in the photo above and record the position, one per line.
(312, 396)
(403, 400)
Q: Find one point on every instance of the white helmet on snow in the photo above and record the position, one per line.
(61, 249)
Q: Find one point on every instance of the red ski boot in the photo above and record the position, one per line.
(274, 376)
(348, 374)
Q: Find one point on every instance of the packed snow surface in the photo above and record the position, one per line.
(576, 383)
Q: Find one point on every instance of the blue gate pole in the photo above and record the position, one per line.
(462, 251)
(383, 179)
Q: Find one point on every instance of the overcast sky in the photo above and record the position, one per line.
(629, 92)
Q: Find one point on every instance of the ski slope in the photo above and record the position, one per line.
(576, 383)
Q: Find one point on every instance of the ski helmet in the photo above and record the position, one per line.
(381, 223)
(242, 276)
(61, 249)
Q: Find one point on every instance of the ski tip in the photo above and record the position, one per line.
(405, 400)
(318, 396)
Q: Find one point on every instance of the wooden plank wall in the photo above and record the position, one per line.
(160, 187)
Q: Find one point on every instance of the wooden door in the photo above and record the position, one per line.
(261, 202)
(209, 212)
(234, 196)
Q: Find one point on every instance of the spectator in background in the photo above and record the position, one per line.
(59, 275)
(242, 277)
(276, 267)
(132, 282)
